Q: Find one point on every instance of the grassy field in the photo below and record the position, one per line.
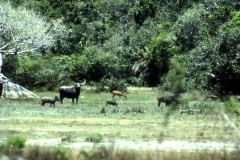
(137, 118)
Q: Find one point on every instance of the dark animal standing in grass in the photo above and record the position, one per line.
(49, 100)
(118, 93)
(167, 100)
(111, 102)
(71, 91)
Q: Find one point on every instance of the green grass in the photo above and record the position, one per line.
(136, 118)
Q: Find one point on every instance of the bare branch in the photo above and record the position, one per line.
(13, 51)
(26, 51)
(4, 46)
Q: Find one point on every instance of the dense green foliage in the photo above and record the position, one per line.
(133, 42)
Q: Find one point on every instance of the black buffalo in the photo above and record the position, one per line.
(71, 91)
(167, 100)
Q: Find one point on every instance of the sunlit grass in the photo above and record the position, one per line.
(135, 118)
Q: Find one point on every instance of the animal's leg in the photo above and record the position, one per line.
(61, 99)
(77, 100)
(72, 100)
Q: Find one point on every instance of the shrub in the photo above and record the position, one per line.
(40, 72)
(159, 52)
(17, 142)
(174, 80)
(94, 138)
(231, 105)
(62, 154)
(111, 84)
(13, 146)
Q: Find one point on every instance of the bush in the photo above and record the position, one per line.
(62, 154)
(40, 72)
(161, 50)
(15, 145)
(231, 105)
(17, 142)
(174, 80)
(116, 84)
(94, 138)
(111, 84)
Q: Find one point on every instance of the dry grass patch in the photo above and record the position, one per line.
(114, 152)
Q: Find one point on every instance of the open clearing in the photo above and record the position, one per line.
(137, 123)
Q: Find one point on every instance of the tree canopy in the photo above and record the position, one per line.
(23, 31)
(136, 42)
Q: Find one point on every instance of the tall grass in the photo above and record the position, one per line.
(113, 153)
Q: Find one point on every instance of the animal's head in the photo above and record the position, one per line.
(78, 85)
(56, 98)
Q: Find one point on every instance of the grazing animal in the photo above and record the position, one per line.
(71, 91)
(111, 102)
(118, 93)
(167, 100)
(49, 100)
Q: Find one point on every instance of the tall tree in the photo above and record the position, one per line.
(23, 31)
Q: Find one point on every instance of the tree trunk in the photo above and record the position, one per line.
(1, 62)
(1, 87)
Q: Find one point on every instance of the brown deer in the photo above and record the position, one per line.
(118, 93)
